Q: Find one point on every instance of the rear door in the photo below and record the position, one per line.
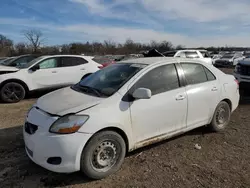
(203, 91)
(73, 69)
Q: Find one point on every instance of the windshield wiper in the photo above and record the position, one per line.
(93, 90)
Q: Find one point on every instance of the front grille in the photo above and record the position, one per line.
(245, 70)
(30, 128)
(223, 62)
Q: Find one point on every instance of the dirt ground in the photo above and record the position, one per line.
(223, 160)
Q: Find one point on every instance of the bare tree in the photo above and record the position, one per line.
(35, 37)
(6, 45)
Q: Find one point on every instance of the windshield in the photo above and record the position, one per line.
(27, 65)
(109, 80)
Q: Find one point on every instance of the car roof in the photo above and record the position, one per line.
(154, 60)
(192, 50)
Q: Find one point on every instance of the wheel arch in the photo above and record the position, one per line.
(229, 102)
(17, 81)
(114, 129)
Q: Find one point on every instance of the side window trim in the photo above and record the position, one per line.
(181, 75)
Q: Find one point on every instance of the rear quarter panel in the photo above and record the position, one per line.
(230, 90)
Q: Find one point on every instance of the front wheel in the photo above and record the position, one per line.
(103, 155)
(12, 92)
(221, 117)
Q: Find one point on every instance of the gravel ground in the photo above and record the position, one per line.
(222, 161)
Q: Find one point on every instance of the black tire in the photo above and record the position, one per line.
(95, 162)
(12, 92)
(221, 117)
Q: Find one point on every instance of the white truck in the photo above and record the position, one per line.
(199, 54)
(193, 54)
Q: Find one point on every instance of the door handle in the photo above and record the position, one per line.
(54, 71)
(82, 69)
(180, 97)
(214, 89)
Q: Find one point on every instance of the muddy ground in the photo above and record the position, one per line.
(222, 161)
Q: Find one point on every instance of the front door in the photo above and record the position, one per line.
(48, 75)
(165, 111)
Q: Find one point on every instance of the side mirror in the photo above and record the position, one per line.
(142, 93)
(34, 68)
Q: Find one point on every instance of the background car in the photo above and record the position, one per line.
(104, 61)
(19, 60)
(6, 60)
(229, 59)
(44, 72)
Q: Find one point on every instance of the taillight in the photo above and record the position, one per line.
(100, 66)
(237, 82)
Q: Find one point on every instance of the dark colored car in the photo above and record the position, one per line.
(19, 60)
(104, 61)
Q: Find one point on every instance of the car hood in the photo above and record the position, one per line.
(226, 59)
(245, 62)
(7, 68)
(65, 101)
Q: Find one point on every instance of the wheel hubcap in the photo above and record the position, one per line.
(12, 92)
(222, 116)
(104, 156)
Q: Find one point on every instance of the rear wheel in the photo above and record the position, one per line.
(221, 117)
(12, 92)
(103, 155)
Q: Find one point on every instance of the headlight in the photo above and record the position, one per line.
(68, 124)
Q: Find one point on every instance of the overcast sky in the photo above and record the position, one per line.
(187, 22)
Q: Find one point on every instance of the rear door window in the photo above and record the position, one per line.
(72, 61)
(194, 73)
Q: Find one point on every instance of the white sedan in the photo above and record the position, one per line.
(42, 73)
(91, 125)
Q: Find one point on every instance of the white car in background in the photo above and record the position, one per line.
(202, 55)
(229, 59)
(90, 126)
(42, 73)
(215, 57)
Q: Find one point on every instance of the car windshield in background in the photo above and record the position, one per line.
(228, 56)
(8, 61)
(205, 54)
(101, 60)
(27, 65)
(191, 54)
(109, 80)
